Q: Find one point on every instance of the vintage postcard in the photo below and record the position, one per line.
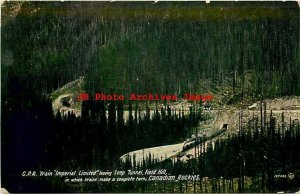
(150, 97)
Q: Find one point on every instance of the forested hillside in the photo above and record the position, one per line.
(243, 51)
(164, 48)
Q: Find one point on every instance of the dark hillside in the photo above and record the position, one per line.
(173, 47)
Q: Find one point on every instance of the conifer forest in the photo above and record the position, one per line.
(239, 62)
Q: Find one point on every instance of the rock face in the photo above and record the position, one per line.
(65, 100)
